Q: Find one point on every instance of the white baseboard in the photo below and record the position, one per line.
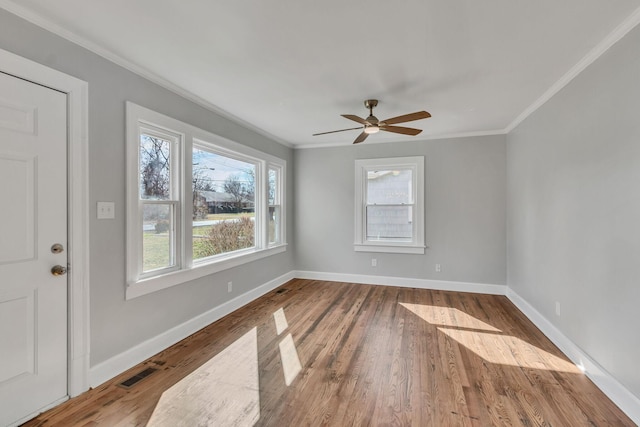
(114, 366)
(618, 393)
(440, 285)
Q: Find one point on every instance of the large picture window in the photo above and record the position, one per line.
(196, 203)
(389, 205)
(224, 207)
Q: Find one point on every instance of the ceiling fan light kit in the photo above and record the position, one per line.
(372, 125)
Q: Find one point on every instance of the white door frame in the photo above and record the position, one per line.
(77, 210)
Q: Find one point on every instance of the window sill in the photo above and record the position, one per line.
(153, 284)
(392, 249)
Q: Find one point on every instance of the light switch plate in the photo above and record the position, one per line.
(106, 210)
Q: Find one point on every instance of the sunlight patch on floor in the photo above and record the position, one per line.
(222, 392)
(509, 350)
(281, 320)
(291, 366)
(488, 342)
(448, 316)
(290, 361)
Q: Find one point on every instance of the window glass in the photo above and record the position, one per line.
(223, 204)
(389, 210)
(155, 171)
(157, 242)
(389, 187)
(390, 223)
(275, 216)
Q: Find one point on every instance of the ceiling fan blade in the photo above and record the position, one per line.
(407, 118)
(401, 129)
(361, 138)
(355, 119)
(334, 131)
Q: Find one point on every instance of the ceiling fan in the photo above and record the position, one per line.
(372, 125)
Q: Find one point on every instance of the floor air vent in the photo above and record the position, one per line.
(138, 377)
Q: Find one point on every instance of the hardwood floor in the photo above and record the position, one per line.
(323, 353)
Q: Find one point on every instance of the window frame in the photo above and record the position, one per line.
(141, 283)
(175, 237)
(417, 243)
(279, 197)
(258, 205)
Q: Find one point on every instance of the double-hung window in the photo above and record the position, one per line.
(197, 203)
(159, 200)
(276, 174)
(390, 205)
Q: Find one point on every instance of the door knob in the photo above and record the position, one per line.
(58, 270)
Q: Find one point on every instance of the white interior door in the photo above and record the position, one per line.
(33, 218)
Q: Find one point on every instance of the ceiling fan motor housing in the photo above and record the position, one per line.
(371, 120)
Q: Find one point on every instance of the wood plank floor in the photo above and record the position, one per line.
(314, 353)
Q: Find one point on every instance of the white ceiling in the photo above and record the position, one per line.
(290, 68)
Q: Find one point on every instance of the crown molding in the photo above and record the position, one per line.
(618, 33)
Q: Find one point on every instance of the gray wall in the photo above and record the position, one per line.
(116, 324)
(574, 210)
(465, 210)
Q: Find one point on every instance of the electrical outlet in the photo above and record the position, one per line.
(230, 287)
(374, 262)
(438, 268)
(557, 308)
(106, 210)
